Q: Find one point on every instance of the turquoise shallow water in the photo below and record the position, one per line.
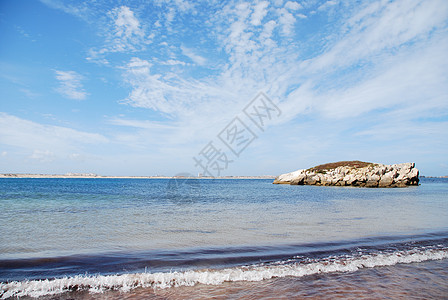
(51, 228)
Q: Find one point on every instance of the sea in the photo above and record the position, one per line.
(179, 238)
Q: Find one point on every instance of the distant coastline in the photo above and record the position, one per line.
(92, 175)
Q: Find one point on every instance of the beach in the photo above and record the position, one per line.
(416, 281)
(223, 149)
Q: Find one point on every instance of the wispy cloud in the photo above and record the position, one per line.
(193, 56)
(141, 124)
(70, 85)
(43, 156)
(79, 9)
(292, 5)
(260, 11)
(366, 67)
(30, 94)
(287, 20)
(128, 33)
(44, 140)
(167, 93)
(327, 5)
(376, 63)
(173, 62)
(382, 29)
(123, 33)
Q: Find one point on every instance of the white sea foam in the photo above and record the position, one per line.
(126, 282)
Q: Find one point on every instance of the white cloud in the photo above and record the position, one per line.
(43, 156)
(382, 27)
(399, 67)
(193, 56)
(45, 141)
(170, 16)
(183, 5)
(75, 156)
(30, 94)
(377, 72)
(173, 62)
(148, 90)
(168, 93)
(287, 20)
(256, 55)
(79, 9)
(293, 5)
(389, 131)
(126, 25)
(257, 59)
(128, 33)
(148, 134)
(266, 34)
(70, 85)
(404, 82)
(327, 5)
(260, 11)
(367, 63)
(143, 124)
(124, 33)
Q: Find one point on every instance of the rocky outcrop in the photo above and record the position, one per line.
(359, 174)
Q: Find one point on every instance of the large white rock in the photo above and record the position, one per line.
(374, 175)
(288, 177)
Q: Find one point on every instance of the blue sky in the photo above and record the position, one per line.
(147, 87)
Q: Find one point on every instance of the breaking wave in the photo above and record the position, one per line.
(297, 266)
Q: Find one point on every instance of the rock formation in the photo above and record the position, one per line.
(354, 173)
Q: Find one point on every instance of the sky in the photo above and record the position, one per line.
(221, 87)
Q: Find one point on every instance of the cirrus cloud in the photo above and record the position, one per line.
(70, 85)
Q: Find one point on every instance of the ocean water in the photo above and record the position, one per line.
(229, 238)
